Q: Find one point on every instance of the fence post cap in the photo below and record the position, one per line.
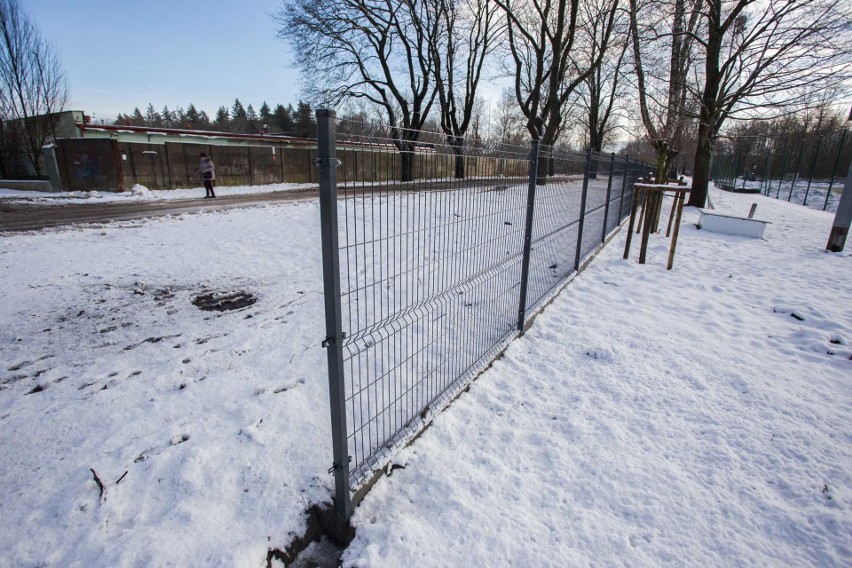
(326, 112)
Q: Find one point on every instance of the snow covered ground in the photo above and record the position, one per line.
(649, 418)
(698, 416)
(139, 193)
(816, 192)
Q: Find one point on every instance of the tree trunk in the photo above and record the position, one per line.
(544, 167)
(458, 150)
(661, 162)
(701, 168)
(407, 163)
(594, 164)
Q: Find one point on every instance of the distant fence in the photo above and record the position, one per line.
(89, 164)
(16, 164)
(427, 281)
(100, 164)
(808, 170)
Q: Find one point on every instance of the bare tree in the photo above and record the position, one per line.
(662, 85)
(507, 124)
(378, 50)
(33, 87)
(543, 35)
(760, 55)
(602, 94)
(467, 32)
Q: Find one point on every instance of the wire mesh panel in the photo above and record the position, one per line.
(429, 274)
(556, 225)
(431, 239)
(801, 168)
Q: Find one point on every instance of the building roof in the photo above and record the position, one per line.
(118, 129)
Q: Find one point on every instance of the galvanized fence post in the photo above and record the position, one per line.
(842, 217)
(525, 263)
(608, 195)
(783, 172)
(834, 169)
(624, 185)
(813, 170)
(327, 162)
(796, 173)
(765, 180)
(583, 210)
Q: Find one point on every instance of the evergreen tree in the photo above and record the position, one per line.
(152, 117)
(192, 117)
(282, 120)
(305, 124)
(265, 114)
(239, 118)
(137, 119)
(223, 120)
(237, 111)
(180, 118)
(252, 120)
(168, 117)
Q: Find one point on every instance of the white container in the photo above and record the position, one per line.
(731, 225)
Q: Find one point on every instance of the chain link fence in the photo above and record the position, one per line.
(428, 280)
(805, 169)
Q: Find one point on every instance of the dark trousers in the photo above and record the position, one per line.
(208, 185)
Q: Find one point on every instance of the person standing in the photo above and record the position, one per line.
(208, 174)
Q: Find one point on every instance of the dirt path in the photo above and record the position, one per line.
(23, 216)
(32, 216)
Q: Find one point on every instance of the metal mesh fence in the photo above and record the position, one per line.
(807, 170)
(432, 270)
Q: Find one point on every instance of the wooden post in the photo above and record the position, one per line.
(643, 212)
(672, 214)
(680, 199)
(633, 208)
(646, 226)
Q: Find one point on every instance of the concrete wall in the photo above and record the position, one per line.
(26, 185)
(105, 164)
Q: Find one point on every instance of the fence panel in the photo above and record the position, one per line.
(431, 270)
(144, 164)
(800, 168)
(184, 163)
(88, 165)
(265, 163)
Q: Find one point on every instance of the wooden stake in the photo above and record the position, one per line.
(681, 198)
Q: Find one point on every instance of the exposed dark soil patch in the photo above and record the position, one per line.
(224, 301)
(328, 534)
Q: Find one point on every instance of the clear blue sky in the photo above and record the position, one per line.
(120, 54)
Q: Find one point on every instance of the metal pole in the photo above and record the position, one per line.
(525, 263)
(834, 169)
(783, 173)
(735, 171)
(765, 174)
(333, 343)
(843, 217)
(623, 188)
(796, 173)
(583, 210)
(608, 195)
(813, 169)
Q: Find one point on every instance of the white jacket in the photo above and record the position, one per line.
(207, 167)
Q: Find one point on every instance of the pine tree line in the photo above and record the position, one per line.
(290, 121)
